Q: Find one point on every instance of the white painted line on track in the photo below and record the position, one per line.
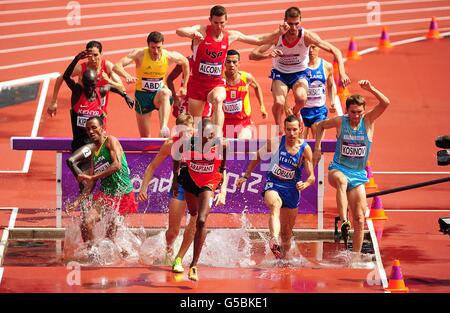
(5, 235)
(1, 275)
(232, 15)
(202, 18)
(20, 1)
(379, 262)
(143, 35)
(83, 6)
(113, 52)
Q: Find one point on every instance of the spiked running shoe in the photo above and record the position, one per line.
(193, 273)
(275, 248)
(345, 229)
(177, 266)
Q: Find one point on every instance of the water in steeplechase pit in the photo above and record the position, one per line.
(223, 247)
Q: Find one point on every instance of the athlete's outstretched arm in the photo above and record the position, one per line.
(195, 32)
(221, 196)
(122, 93)
(177, 70)
(265, 52)
(119, 67)
(181, 60)
(53, 105)
(335, 122)
(259, 94)
(69, 70)
(112, 77)
(313, 38)
(259, 40)
(307, 162)
(380, 107)
(331, 86)
(163, 153)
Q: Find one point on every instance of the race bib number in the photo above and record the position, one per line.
(152, 84)
(290, 59)
(212, 69)
(315, 92)
(282, 173)
(99, 168)
(233, 106)
(201, 168)
(86, 152)
(101, 165)
(81, 121)
(353, 150)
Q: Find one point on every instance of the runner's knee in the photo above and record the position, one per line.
(358, 221)
(200, 223)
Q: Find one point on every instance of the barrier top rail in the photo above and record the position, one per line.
(141, 144)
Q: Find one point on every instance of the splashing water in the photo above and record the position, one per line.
(152, 250)
(349, 259)
(122, 247)
(222, 248)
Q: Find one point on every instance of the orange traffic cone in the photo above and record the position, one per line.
(342, 92)
(385, 42)
(352, 53)
(371, 183)
(433, 32)
(396, 283)
(377, 210)
(378, 226)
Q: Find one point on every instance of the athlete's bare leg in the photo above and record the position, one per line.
(216, 98)
(162, 102)
(300, 91)
(279, 94)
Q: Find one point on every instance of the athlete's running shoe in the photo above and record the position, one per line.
(177, 265)
(275, 247)
(193, 273)
(345, 229)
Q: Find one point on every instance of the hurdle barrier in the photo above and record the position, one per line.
(140, 152)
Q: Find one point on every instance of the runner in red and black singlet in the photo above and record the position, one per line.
(85, 102)
(204, 172)
(95, 61)
(101, 81)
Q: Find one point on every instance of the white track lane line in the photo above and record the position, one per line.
(183, 9)
(4, 240)
(381, 273)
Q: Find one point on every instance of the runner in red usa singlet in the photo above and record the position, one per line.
(211, 43)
